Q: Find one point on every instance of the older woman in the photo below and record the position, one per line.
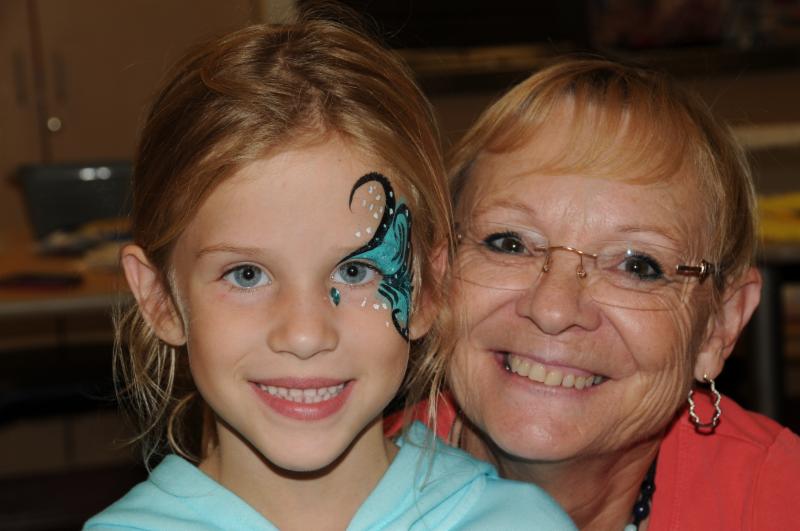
(607, 229)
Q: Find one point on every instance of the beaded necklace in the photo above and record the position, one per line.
(641, 509)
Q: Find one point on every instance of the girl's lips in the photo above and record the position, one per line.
(305, 399)
(550, 375)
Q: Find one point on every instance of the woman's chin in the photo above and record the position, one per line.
(538, 441)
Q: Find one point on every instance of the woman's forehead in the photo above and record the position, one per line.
(516, 191)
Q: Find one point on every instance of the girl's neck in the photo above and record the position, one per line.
(598, 492)
(327, 499)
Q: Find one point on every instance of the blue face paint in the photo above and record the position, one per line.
(390, 251)
(336, 297)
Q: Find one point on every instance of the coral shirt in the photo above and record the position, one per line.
(745, 476)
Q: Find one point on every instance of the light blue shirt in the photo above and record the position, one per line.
(427, 490)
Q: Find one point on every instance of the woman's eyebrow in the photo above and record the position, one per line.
(668, 233)
(505, 205)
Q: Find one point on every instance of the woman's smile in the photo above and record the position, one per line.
(548, 374)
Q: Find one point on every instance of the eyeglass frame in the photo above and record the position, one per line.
(701, 271)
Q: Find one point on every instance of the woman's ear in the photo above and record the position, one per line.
(739, 302)
(427, 308)
(152, 296)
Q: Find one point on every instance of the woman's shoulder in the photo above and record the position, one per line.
(743, 440)
(177, 496)
(753, 428)
(740, 476)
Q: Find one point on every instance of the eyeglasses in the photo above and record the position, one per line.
(630, 274)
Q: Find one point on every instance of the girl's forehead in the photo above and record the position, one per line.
(304, 192)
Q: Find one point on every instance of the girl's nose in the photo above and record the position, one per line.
(302, 325)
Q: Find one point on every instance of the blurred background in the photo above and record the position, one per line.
(75, 80)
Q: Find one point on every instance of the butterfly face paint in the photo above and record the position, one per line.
(389, 250)
(336, 296)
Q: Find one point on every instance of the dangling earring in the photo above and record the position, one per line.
(717, 410)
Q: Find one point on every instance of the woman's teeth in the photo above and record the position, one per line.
(303, 396)
(550, 377)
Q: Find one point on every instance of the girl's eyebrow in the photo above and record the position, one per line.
(255, 252)
(251, 252)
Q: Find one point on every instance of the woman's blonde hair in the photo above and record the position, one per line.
(626, 122)
(230, 102)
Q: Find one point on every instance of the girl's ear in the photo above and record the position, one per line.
(739, 302)
(152, 296)
(425, 314)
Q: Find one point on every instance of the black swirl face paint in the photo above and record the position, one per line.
(389, 250)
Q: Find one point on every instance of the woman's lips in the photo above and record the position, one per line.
(549, 375)
(304, 399)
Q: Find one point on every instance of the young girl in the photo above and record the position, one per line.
(290, 215)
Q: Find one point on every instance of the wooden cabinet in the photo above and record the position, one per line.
(76, 76)
(19, 136)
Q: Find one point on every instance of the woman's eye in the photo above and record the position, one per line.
(642, 267)
(354, 273)
(247, 276)
(508, 243)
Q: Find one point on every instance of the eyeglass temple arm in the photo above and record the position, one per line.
(700, 271)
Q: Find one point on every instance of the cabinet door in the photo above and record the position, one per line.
(19, 136)
(103, 60)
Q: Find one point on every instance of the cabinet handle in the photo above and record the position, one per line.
(54, 124)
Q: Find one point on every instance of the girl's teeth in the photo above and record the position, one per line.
(550, 377)
(304, 396)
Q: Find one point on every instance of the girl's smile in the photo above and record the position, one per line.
(305, 399)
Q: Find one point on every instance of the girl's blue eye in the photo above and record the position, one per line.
(354, 273)
(247, 276)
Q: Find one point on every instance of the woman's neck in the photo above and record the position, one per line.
(598, 492)
(326, 499)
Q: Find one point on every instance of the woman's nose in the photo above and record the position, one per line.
(558, 298)
(302, 325)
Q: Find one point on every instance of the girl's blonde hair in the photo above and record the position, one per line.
(230, 102)
(626, 122)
